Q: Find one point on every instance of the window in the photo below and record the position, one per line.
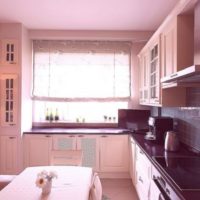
(74, 77)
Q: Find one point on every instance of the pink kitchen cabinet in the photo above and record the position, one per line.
(8, 154)
(114, 153)
(37, 149)
(9, 52)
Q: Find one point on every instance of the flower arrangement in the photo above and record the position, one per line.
(44, 179)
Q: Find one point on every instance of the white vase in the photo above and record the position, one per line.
(47, 188)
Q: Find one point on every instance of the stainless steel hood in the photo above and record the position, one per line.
(190, 76)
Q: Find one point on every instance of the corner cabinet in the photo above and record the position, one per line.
(8, 154)
(114, 153)
(9, 99)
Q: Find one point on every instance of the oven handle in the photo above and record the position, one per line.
(163, 195)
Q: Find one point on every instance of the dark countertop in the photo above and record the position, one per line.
(96, 131)
(152, 149)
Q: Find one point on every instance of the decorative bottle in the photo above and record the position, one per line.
(56, 115)
(47, 114)
(51, 116)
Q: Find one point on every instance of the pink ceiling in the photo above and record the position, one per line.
(86, 14)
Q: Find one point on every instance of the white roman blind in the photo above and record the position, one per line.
(81, 69)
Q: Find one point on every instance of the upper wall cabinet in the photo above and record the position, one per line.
(9, 103)
(177, 44)
(144, 76)
(154, 72)
(9, 52)
(168, 51)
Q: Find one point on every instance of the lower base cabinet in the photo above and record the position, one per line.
(9, 155)
(37, 150)
(114, 153)
(143, 174)
(132, 147)
(104, 153)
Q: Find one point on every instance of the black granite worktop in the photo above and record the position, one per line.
(95, 131)
(152, 149)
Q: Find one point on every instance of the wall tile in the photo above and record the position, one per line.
(187, 119)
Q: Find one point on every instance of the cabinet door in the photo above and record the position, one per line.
(154, 72)
(114, 154)
(37, 150)
(143, 174)
(8, 156)
(144, 77)
(9, 103)
(132, 158)
(169, 46)
(64, 142)
(10, 52)
(89, 144)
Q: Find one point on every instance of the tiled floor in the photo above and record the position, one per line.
(119, 189)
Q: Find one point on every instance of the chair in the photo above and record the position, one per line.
(66, 157)
(96, 188)
(5, 180)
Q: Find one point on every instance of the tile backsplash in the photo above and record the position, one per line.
(187, 119)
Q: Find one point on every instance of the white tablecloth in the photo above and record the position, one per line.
(73, 183)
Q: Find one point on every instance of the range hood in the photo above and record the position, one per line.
(190, 76)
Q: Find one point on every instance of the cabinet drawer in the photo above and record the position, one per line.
(141, 157)
(64, 142)
(142, 182)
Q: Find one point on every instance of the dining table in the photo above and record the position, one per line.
(72, 183)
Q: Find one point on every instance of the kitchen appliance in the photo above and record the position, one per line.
(190, 74)
(158, 127)
(171, 141)
(161, 189)
(183, 171)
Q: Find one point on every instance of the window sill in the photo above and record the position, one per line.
(74, 125)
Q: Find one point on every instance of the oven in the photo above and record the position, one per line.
(160, 189)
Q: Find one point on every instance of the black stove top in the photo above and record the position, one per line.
(184, 171)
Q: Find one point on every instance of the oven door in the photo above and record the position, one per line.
(156, 191)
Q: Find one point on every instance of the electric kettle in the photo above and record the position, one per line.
(171, 141)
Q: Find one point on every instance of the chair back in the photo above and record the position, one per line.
(96, 188)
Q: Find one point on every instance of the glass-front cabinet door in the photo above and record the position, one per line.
(154, 72)
(8, 92)
(9, 52)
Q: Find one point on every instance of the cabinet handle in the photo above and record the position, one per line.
(167, 191)
(81, 136)
(11, 137)
(11, 124)
(104, 136)
(47, 136)
(140, 179)
(141, 152)
(72, 136)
